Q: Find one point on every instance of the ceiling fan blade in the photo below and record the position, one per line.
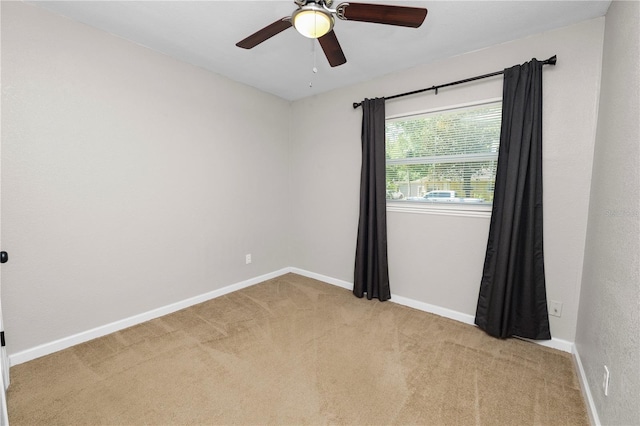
(383, 14)
(264, 34)
(332, 49)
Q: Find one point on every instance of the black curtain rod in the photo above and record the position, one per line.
(551, 61)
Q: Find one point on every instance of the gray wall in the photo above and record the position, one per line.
(437, 259)
(130, 180)
(609, 318)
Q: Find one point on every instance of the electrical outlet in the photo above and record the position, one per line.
(247, 259)
(605, 381)
(555, 308)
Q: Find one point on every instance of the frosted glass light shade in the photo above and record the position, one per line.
(312, 23)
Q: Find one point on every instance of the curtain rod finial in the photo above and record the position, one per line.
(552, 60)
(356, 105)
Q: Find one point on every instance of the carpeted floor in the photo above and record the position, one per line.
(297, 351)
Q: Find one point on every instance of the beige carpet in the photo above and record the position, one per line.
(296, 351)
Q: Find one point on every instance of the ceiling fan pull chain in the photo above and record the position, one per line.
(315, 64)
(313, 53)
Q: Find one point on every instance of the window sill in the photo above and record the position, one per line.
(439, 209)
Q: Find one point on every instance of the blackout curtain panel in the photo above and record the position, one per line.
(371, 266)
(512, 300)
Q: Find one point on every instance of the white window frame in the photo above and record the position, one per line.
(466, 210)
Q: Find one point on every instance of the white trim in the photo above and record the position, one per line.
(103, 330)
(554, 343)
(586, 390)
(324, 278)
(85, 336)
(433, 309)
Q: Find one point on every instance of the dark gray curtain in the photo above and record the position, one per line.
(512, 300)
(371, 269)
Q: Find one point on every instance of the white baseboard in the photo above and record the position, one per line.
(586, 390)
(85, 336)
(323, 278)
(433, 309)
(554, 343)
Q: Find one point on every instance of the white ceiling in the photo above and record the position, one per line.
(204, 33)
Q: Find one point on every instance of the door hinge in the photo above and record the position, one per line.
(2, 339)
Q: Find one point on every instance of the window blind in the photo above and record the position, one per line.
(454, 150)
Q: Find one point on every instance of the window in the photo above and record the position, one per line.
(448, 156)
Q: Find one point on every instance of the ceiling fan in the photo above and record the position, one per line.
(315, 19)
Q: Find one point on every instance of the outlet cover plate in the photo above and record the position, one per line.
(555, 308)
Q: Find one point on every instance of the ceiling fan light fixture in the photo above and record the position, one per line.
(312, 21)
